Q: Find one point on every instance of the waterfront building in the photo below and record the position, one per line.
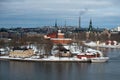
(117, 29)
(21, 53)
(58, 38)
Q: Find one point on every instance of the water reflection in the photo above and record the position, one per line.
(110, 52)
(18, 70)
(15, 70)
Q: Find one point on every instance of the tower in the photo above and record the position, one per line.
(79, 22)
(65, 24)
(90, 26)
(56, 27)
(56, 24)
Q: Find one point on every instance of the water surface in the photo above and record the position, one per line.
(18, 70)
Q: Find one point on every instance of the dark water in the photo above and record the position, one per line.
(14, 70)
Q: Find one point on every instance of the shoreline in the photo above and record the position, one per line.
(104, 46)
(46, 59)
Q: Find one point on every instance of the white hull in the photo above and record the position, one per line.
(100, 59)
(47, 59)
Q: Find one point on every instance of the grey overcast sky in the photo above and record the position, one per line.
(35, 13)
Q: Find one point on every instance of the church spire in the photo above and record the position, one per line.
(65, 24)
(90, 26)
(56, 23)
(56, 26)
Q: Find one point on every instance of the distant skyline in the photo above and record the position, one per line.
(36, 13)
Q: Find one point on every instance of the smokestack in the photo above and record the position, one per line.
(79, 22)
(82, 12)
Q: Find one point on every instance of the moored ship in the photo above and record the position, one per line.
(93, 56)
(99, 59)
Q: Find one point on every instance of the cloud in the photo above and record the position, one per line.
(61, 9)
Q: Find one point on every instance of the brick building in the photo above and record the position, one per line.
(58, 38)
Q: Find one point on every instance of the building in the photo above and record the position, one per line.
(58, 38)
(21, 53)
(117, 29)
(89, 29)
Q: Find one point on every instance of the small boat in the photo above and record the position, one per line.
(99, 59)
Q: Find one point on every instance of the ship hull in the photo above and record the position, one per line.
(99, 59)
